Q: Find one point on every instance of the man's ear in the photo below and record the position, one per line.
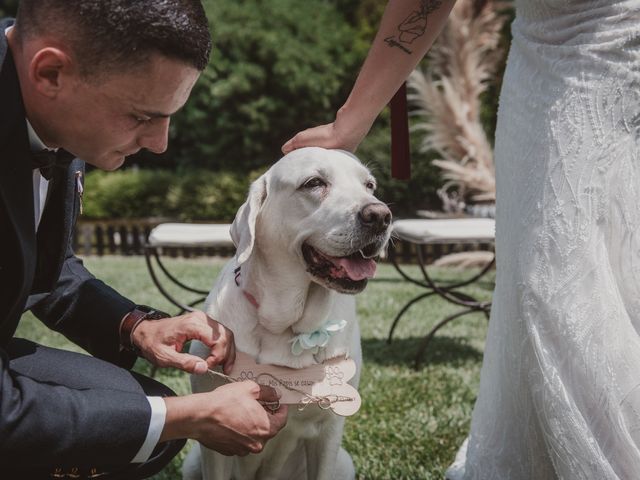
(243, 229)
(47, 68)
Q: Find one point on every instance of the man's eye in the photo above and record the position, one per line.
(141, 120)
(314, 182)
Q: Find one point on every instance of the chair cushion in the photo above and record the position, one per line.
(451, 230)
(191, 235)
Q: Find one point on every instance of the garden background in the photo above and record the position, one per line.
(277, 67)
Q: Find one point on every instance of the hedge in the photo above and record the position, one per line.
(185, 195)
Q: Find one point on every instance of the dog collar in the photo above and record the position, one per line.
(313, 341)
(317, 339)
(252, 300)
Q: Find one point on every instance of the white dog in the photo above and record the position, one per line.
(306, 236)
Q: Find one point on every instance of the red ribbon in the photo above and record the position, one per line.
(400, 151)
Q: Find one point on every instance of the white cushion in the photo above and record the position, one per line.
(445, 230)
(191, 235)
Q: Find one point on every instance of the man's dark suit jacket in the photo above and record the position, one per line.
(41, 423)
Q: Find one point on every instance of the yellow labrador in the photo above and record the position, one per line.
(306, 238)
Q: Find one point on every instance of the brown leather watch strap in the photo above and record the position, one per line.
(132, 319)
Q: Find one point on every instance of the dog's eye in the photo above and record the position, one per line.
(314, 182)
(370, 185)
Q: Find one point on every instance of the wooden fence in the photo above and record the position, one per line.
(129, 236)
(112, 237)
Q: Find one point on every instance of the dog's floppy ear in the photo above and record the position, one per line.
(243, 229)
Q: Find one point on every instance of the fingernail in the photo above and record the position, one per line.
(200, 368)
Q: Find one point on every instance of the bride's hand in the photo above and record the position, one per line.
(343, 133)
(382, 73)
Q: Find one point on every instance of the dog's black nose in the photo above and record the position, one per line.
(375, 216)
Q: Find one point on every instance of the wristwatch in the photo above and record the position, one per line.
(132, 319)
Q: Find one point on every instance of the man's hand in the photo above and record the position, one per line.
(229, 420)
(161, 342)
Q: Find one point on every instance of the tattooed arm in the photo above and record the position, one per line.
(407, 30)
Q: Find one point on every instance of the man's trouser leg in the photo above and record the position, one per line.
(79, 371)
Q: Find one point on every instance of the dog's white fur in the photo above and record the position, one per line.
(269, 230)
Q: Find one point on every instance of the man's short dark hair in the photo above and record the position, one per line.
(107, 35)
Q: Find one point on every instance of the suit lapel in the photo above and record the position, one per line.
(56, 225)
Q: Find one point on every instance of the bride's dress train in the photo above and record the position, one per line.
(560, 383)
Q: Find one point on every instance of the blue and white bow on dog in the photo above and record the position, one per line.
(317, 339)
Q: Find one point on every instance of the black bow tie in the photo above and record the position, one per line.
(47, 160)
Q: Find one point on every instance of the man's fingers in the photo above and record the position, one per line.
(267, 394)
(184, 361)
(230, 359)
(224, 355)
(204, 328)
(215, 336)
(192, 364)
(279, 418)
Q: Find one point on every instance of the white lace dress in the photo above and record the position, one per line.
(560, 384)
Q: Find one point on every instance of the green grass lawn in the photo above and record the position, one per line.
(411, 422)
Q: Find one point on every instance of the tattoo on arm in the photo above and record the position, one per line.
(414, 26)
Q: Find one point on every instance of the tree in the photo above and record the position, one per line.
(278, 66)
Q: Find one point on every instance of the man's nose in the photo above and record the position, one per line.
(155, 137)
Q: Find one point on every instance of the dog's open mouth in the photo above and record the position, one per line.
(347, 274)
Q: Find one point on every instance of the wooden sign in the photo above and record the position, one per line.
(324, 384)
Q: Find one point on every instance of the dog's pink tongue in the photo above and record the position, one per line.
(357, 269)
